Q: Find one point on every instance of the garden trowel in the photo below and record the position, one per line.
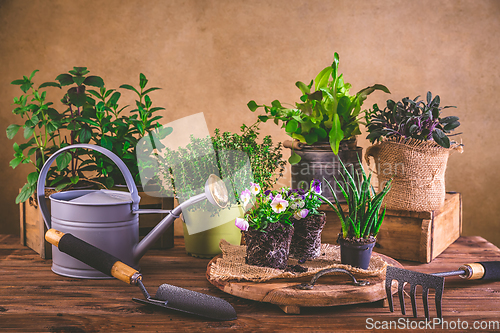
(167, 296)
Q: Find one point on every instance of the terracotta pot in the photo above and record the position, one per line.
(270, 248)
(306, 240)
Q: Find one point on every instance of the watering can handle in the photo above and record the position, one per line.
(45, 169)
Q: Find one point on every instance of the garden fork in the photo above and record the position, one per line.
(475, 271)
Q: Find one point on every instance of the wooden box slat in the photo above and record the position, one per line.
(415, 236)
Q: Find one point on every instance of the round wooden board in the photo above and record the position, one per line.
(329, 290)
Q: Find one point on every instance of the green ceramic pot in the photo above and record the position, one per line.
(205, 244)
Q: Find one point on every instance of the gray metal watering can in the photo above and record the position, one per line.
(107, 219)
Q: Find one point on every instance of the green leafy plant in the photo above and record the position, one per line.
(227, 154)
(266, 159)
(411, 119)
(361, 220)
(327, 110)
(82, 120)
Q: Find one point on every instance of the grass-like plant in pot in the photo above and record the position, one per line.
(308, 222)
(413, 148)
(268, 226)
(362, 220)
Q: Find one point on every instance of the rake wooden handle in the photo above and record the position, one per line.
(93, 256)
(486, 270)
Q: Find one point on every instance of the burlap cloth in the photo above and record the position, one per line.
(417, 169)
(231, 266)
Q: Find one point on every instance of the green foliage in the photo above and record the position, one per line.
(329, 112)
(226, 154)
(411, 119)
(266, 159)
(88, 116)
(362, 219)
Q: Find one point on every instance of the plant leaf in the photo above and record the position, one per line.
(94, 81)
(12, 130)
(129, 87)
(49, 84)
(292, 126)
(26, 192)
(63, 160)
(294, 158)
(336, 134)
(32, 178)
(441, 138)
(65, 79)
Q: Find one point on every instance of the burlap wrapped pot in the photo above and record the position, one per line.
(417, 169)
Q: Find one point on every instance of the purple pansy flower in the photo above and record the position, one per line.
(316, 186)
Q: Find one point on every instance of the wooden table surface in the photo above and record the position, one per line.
(34, 299)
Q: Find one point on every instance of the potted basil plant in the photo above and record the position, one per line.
(361, 222)
(324, 125)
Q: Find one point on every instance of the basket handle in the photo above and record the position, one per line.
(372, 151)
(129, 180)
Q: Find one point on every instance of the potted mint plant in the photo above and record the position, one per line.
(308, 222)
(413, 148)
(361, 222)
(268, 226)
(324, 124)
(88, 116)
(90, 113)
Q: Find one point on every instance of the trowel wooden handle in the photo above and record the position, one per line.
(486, 270)
(93, 256)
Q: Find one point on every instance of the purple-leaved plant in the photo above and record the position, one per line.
(411, 119)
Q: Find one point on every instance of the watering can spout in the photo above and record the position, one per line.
(215, 192)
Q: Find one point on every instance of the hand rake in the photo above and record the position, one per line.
(474, 271)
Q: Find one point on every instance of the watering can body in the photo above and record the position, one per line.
(106, 219)
(110, 225)
(109, 220)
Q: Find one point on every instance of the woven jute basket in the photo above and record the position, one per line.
(417, 169)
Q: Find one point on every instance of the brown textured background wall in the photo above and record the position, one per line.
(215, 56)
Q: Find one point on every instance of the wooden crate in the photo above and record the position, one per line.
(33, 228)
(415, 236)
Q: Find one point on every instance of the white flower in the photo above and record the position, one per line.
(278, 204)
(254, 188)
(300, 203)
(241, 223)
(245, 197)
(293, 205)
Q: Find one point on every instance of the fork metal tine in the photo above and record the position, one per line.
(413, 289)
(401, 296)
(414, 278)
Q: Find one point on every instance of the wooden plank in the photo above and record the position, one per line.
(328, 291)
(33, 299)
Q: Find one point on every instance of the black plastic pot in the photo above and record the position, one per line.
(355, 253)
(318, 161)
(270, 248)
